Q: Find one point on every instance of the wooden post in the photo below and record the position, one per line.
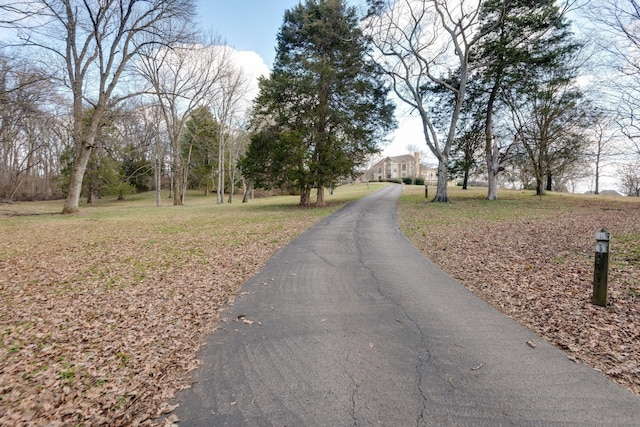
(601, 268)
(426, 190)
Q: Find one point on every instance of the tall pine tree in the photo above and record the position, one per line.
(324, 109)
(522, 41)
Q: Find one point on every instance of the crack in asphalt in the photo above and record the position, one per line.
(353, 392)
(419, 367)
(323, 258)
(420, 363)
(422, 349)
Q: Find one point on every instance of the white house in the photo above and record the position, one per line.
(399, 167)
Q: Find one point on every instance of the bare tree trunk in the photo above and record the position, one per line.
(247, 191)
(305, 196)
(172, 179)
(232, 179)
(597, 178)
(185, 178)
(177, 180)
(493, 167)
(320, 197)
(441, 188)
(220, 192)
(492, 193)
(15, 189)
(492, 150)
(72, 202)
(158, 179)
(539, 186)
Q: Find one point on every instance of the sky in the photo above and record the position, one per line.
(246, 25)
(251, 27)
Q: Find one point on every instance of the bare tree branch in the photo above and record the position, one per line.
(422, 45)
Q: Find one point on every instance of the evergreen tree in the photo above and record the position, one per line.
(549, 120)
(324, 108)
(200, 146)
(136, 169)
(522, 41)
(465, 159)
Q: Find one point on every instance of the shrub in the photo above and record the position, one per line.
(413, 181)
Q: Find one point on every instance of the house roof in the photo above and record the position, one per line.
(403, 158)
(396, 159)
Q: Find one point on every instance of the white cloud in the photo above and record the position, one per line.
(253, 66)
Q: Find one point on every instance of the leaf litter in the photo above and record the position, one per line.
(101, 320)
(535, 262)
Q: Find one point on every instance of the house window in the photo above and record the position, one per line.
(404, 167)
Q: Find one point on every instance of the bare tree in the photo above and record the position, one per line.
(161, 146)
(183, 79)
(617, 25)
(238, 143)
(226, 108)
(28, 126)
(423, 45)
(16, 12)
(629, 175)
(604, 150)
(94, 42)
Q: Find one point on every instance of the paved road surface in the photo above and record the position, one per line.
(353, 326)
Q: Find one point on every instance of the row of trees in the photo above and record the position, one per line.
(128, 87)
(498, 85)
(506, 79)
(615, 33)
(30, 131)
(494, 75)
(99, 95)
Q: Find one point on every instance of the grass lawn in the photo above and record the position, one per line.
(102, 312)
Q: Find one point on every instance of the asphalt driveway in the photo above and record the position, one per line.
(351, 325)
